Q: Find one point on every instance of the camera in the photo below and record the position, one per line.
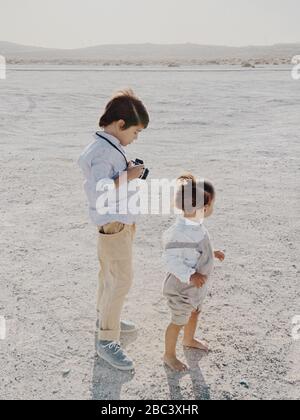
(146, 170)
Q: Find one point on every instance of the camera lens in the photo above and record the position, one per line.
(145, 174)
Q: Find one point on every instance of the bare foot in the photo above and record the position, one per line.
(196, 344)
(174, 363)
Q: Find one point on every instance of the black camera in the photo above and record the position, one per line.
(145, 172)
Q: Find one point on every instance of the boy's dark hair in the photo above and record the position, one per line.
(125, 106)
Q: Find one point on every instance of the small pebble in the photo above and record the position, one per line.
(66, 372)
(245, 384)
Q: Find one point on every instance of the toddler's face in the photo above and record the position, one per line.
(204, 212)
(209, 208)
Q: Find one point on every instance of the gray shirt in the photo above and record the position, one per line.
(188, 249)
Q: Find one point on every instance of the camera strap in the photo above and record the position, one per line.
(115, 147)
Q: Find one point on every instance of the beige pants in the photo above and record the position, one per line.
(115, 277)
(183, 299)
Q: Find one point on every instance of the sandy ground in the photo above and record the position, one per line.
(49, 264)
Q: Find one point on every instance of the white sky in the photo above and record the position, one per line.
(80, 23)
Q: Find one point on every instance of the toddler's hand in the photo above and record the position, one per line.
(198, 280)
(220, 255)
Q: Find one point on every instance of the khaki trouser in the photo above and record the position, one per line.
(115, 247)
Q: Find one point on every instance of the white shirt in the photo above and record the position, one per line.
(100, 161)
(183, 262)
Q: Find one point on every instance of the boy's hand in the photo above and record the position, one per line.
(198, 280)
(220, 255)
(134, 171)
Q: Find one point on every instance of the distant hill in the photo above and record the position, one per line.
(152, 54)
(9, 49)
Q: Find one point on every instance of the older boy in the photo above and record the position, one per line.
(105, 160)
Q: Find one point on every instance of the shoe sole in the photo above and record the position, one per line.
(123, 368)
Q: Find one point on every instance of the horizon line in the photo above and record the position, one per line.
(154, 44)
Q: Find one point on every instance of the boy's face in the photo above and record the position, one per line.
(129, 135)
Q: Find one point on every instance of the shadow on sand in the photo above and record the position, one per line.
(107, 381)
(200, 388)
